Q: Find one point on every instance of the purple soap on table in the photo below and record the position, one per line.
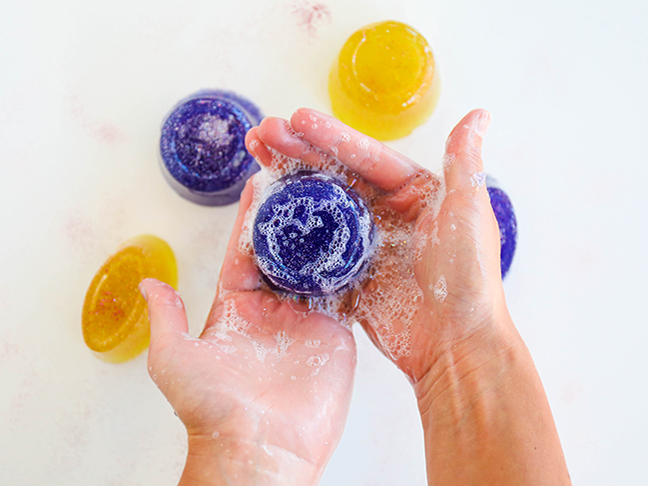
(312, 234)
(506, 222)
(202, 146)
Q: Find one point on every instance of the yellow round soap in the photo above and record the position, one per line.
(385, 82)
(115, 319)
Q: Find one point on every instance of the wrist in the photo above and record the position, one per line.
(213, 461)
(485, 416)
(468, 367)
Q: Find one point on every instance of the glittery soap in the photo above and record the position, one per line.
(312, 234)
(202, 146)
(503, 209)
(385, 81)
(114, 320)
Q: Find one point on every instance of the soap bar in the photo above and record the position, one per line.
(385, 81)
(115, 319)
(503, 209)
(202, 146)
(312, 234)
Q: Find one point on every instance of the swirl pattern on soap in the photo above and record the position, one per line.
(312, 235)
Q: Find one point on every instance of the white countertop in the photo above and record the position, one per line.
(83, 89)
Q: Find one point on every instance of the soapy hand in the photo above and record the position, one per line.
(264, 391)
(434, 301)
(442, 284)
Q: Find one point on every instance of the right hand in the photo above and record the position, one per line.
(453, 292)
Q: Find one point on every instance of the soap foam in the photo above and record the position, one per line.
(440, 290)
(391, 306)
(229, 322)
(448, 160)
(232, 323)
(478, 179)
(318, 360)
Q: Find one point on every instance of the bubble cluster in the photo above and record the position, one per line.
(478, 179)
(389, 306)
(440, 290)
(318, 360)
(231, 322)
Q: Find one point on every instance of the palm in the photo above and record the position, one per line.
(274, 376)
(263, 372)
(450, 284)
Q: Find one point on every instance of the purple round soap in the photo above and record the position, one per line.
(312, 234)
(202, 146)
(506, 222)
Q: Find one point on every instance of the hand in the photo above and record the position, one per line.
(265, 391)
(453, 240)
(435, 303)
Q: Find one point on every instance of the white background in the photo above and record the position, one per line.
(83, 89)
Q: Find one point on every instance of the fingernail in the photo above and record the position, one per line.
(143, 291)
(481, 123)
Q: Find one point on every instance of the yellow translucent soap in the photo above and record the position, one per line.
(385, 82)
(115, 319)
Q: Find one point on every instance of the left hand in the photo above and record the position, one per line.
(265, 391)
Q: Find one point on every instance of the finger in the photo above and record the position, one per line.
(165, 308)
(278, 134)
(466, 181)
(462, 163)
(239, 271)
(257, 148)
(371, 159)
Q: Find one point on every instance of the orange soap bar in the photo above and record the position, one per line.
(115, 318)
(385, 82)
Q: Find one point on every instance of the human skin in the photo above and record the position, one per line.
(484, 412)
(483, 409)
(261, 407)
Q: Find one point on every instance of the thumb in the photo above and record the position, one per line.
(466, 182)
(462, 163)
(166, 310)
